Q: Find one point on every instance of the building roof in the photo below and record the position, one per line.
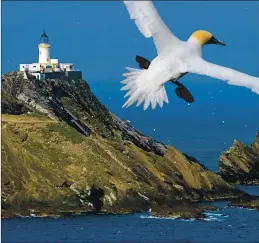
(44, 38)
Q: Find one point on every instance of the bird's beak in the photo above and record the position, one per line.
(213, 40)
(220, 43)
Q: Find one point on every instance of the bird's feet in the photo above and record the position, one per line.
(183, 93)
(180, 91)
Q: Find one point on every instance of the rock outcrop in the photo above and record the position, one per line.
(246, 201)
(240, 163)
(65, 153)
(74, 103)
(178, 211)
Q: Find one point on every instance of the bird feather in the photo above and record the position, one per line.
(231, 76)
(150, 24)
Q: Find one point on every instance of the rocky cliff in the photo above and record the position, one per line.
(240, 163)
(245, 201)
(64, 152)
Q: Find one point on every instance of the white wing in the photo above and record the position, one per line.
(150, 24)
(145, 87)
(233, 77)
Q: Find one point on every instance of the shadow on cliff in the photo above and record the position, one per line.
(95, 196)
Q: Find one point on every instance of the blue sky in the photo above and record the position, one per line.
(100, 39)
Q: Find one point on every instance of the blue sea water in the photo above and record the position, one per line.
(203, 129)
(226, 225)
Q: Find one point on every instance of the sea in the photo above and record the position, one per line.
(203, 129)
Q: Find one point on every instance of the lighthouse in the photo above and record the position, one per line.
(44, 49)
(47, 68)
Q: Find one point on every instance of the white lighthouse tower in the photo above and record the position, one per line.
(47, 68)
(44, 49)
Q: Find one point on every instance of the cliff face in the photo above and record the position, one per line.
(71, 102)
(245, 201)
(240, 164)
(63, 151)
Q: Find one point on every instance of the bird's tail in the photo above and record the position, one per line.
(140, 90)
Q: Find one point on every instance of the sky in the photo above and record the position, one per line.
(101, 40)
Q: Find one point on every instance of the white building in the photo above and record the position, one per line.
(50, 68)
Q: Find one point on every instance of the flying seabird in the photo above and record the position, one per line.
(181, 91)
(175, 58)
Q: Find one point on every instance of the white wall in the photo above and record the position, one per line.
(54, 61)
(24, 67)
(44, 53)
(57, 69)
(34, 67)
(67, 66)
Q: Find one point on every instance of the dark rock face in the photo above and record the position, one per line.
(12, 107)
(209, 207)
(183, 209)
(246, 201)
(131, 134)
(72, 102)
(240, 164)
(132, 202)
(10, 90)
(179, 210)
(94, 196)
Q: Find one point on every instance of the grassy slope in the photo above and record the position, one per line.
(39, 154)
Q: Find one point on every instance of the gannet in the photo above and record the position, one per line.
(180, 91)
(175, 58)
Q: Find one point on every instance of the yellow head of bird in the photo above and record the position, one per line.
(205, 37)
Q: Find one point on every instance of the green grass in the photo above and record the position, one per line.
(67, 132)
(56, 152)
